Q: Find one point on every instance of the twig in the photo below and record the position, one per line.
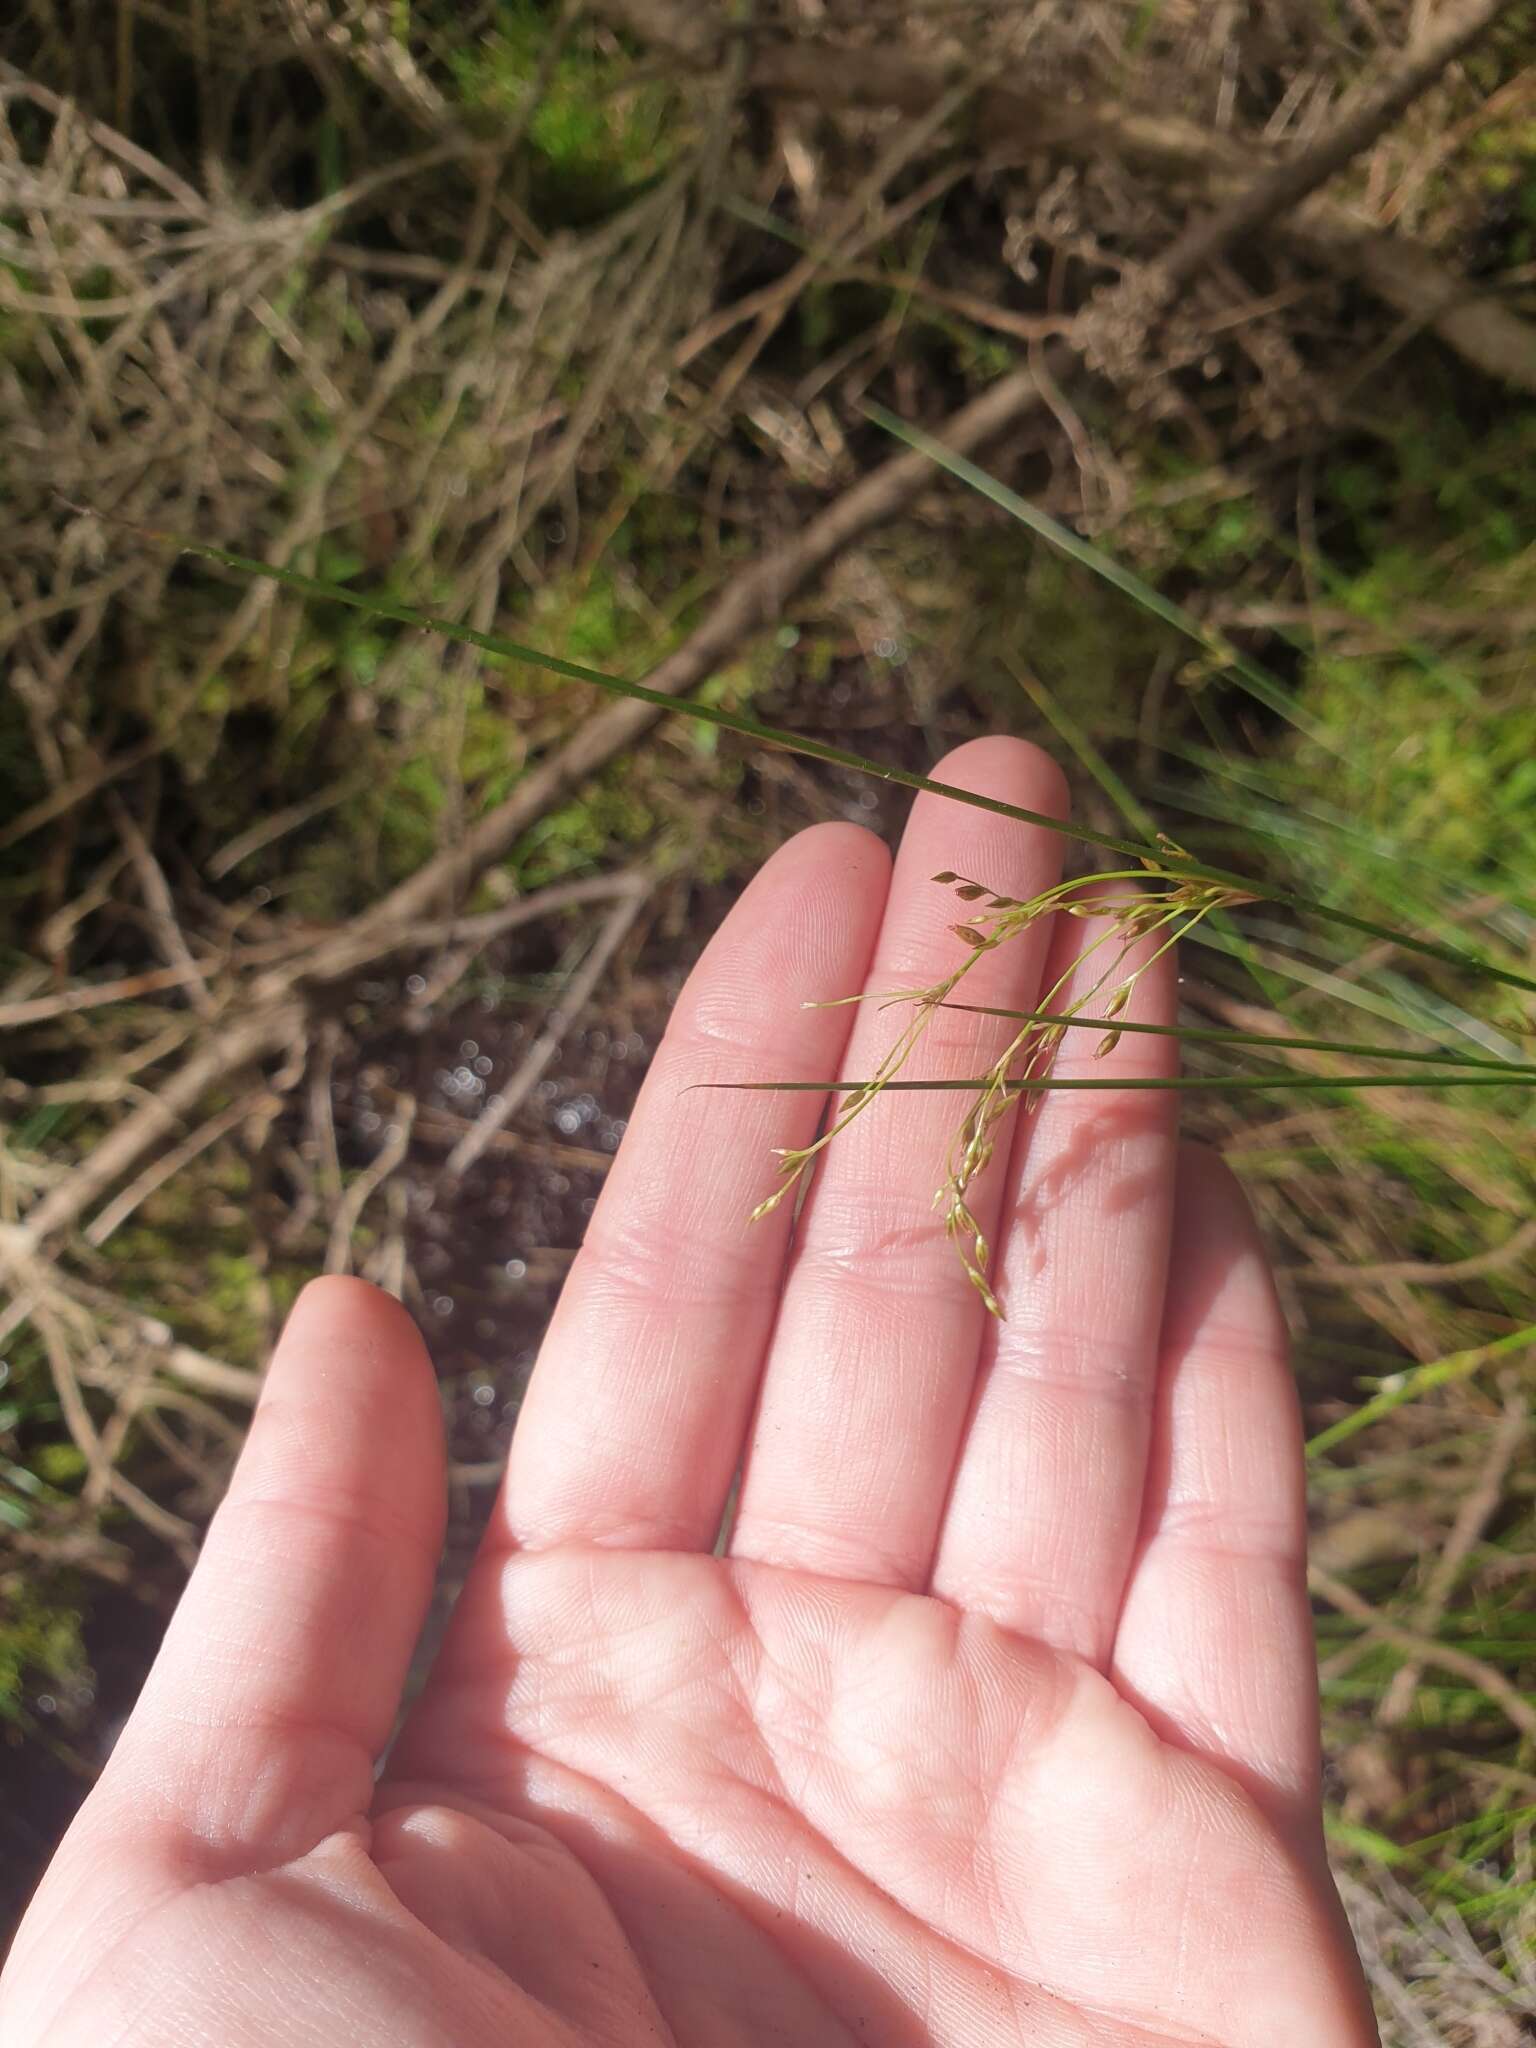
(1013, 122)
(69, 1002)
(37, 1280)
(111, 140)
(127, 1403)
(266, 830)
(753, 598)
(274, 1021)
(1443, 1656)
(58, 801)
(158, 902)
(104, 1476)
(388, 1266)
(849, 226)
(1279, 191)
(443, 1130)
(117, 1212)
(471, 935)
(1472, 1518)
(322, 1115)
(868, 217)
(482, 1472)
(182, 1361)
(224, 1052)
(213, 1375)
(338, 1252)
(573, 1001)
(1423, 1272)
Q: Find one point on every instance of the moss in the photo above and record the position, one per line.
(592, 136)
(1454, 778)
(40, 1643)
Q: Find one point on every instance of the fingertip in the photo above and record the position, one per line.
(837, 840)
(351, 1373)
(341, 1325)
(842, 861)
(803, 927)
(341, 1301)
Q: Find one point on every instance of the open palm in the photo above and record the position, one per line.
(995, 1722)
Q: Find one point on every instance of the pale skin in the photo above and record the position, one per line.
(995, 1724)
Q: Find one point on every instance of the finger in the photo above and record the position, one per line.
(1042, 1518)
(1215, 1636)
(280, 1675)
(870, 1370)
(633, 1424)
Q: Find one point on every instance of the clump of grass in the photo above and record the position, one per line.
(1016, 1075)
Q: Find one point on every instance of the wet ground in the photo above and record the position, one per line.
(483, 1258)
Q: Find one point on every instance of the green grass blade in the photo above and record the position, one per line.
(1135, 814)
(1405, 1004)
(1313, 833)
(1439, 1372)
(1267, 688)
(821, 750)
(1364, 1841)
(1232, 1084)
(1046, 702)
(1199, 1035)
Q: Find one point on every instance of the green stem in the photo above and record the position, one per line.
(1195, 1035)
(821, 750)
(1265, 687)
(1233, 1083)
(1440, 1372)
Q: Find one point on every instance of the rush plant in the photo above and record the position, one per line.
(1164, 913)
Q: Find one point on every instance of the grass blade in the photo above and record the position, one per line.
(1233, 1084)
(1439, 1372)
(820, 750)
(1267, 688)
(1199, 1035)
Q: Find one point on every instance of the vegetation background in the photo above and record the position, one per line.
(327, 943)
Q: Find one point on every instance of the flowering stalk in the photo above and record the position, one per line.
(1015, 1074)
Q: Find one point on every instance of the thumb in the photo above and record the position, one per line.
(280, 1676)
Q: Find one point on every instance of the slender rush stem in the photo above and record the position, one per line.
(1439, 1372)
(1233, 1083)
(1196, 1035)
(820, 750)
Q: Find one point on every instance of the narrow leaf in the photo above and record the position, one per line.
(1232, 1084)
(1198, 1035)
(817, 750)
(1439, 1372)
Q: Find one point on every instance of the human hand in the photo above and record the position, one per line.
(996, 1724)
